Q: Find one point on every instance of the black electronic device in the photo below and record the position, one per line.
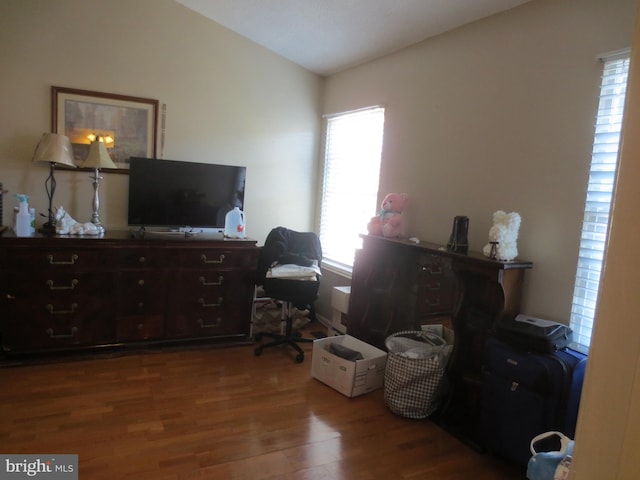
(172, 195)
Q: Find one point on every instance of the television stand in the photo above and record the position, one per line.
(121, 290)
(169, 233)
(175, 232)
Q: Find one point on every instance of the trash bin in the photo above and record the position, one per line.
(414, 379)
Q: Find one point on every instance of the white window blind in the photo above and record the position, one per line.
(350, 187)
(604, 161)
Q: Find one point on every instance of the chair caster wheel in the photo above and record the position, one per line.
(300, 358)
(257, 352)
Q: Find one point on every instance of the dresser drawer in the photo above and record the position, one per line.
(58, 259)
(52, 325)
(216, 258)
(59, 284)
(146, 326)
(142, 258)
(210, 322)
(141, 292)
(229, 286)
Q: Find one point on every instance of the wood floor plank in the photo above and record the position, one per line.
(221, 413)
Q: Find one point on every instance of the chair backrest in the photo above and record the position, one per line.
(288, 246)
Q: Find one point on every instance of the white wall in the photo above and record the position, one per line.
(228, 101)
(497, 115)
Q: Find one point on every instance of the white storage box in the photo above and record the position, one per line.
(441, 330)
(351, 378)
(340, 307)
(340, 298)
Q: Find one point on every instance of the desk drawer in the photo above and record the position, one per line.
(435, 284)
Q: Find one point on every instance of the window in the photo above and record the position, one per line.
(350, 187)
(604, 161)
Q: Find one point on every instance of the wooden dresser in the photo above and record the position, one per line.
(61, 293)
(399, 285)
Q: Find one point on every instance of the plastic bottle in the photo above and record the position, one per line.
(32, 221)
(23, 219)
(234, 224)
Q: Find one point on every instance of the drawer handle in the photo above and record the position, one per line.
(141, 282)
(74, 257)
(73, 285)
(203, 257)
(142, 260)
(210, 305)
(74, 331)
(434, 303)
(432, 270)
(210, 325)
(434, 288)
(74, 307)
(208, 284)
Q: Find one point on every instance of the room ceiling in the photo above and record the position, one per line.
(327, 36)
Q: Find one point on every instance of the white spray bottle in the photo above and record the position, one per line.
(23, 218)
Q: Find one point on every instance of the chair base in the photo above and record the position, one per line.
(290, 337)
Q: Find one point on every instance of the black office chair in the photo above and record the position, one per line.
(288, 247)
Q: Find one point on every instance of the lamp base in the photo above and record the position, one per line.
(48, 229)
(98, 225)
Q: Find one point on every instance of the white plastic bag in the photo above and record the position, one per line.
(554, 465)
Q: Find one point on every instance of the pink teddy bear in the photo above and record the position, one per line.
(388, 223)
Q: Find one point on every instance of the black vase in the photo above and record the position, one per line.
(458, 241)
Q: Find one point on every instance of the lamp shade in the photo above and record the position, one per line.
(54, 148)
(98, 157)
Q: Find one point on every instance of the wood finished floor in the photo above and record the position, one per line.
(221, 414)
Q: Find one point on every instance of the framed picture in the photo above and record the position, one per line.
(127, 124)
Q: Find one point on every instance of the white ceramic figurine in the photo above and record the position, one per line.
(66, 225)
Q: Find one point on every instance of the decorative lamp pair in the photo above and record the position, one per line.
(55, 149)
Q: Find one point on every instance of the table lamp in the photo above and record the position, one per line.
(54, 149)
(98, 158)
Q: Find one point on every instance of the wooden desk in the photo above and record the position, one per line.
(399, 285)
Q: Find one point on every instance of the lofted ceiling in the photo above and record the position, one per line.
(327, 36)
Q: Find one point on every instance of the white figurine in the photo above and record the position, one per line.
(504, 235)
(66, 225)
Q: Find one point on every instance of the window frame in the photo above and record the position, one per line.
(599, 196)
(338, 265)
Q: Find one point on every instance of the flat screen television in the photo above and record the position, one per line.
(172, 195)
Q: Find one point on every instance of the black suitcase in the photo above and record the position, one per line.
(535, 334)
(525, 394)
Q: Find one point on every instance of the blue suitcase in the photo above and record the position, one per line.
(525, 394)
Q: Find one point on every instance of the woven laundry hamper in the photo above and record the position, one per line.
(414, 377)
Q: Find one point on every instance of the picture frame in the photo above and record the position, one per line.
(129, 123)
